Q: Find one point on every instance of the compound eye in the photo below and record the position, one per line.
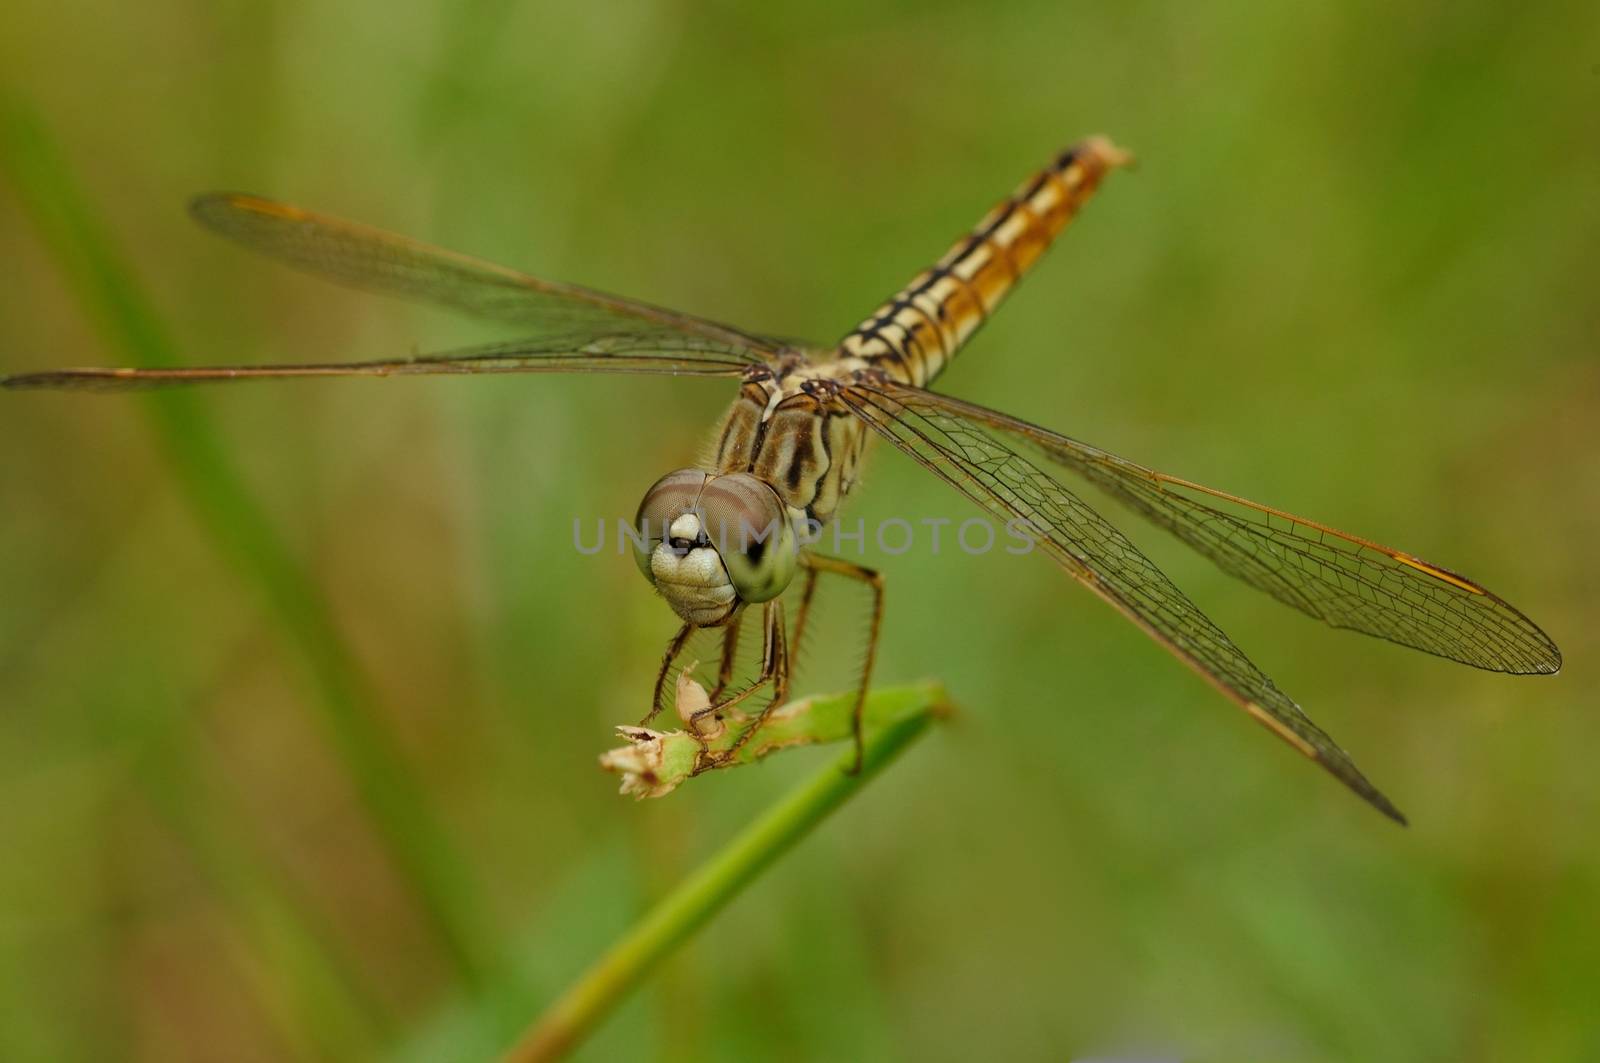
(750, 527)
(668, 499)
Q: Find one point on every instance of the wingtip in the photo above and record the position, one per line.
(1371, 794)
(1362, 787)
(1388, 809)
(1547, 660)
(204, 206)
(201, 205)
(69, 380)
(1341, 767)
(198, 203)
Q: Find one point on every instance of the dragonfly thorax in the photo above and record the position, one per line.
(711, 543)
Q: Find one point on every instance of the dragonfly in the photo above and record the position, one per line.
(790, 449)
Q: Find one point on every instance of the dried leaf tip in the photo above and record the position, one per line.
(641, 763)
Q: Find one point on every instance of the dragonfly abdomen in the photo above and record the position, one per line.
(915, 334)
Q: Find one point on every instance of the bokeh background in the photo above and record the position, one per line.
(1354, 276)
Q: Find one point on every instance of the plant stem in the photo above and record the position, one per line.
(907, 712)
(654, 763)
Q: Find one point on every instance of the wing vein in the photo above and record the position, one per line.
(968, 456)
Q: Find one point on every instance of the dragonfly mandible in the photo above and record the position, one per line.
(789, 450)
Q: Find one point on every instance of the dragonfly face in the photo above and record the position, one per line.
(715, 540)
(712, 544)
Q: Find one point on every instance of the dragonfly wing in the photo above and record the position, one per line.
(624, 353)
(1344, 580)
(374, 259)
(968, 455)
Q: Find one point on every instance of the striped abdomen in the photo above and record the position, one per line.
(914, 335)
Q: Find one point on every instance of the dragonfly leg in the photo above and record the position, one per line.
(817, 564)
(674, 648)
(803, 611)
(730, 651)
(774, 670)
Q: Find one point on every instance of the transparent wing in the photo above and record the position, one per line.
(371, 258)
(648, 353)
(1347, 581)
(573, 329)
(945, 439)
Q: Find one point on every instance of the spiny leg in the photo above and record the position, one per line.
(816, 564)
(674, 648)
(803, 612)
(730, 651)
(774, 670)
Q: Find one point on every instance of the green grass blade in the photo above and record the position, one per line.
(242, 531)
(905, 712)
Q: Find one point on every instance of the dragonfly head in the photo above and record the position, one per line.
(710, 544)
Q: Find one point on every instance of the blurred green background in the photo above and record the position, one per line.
(1354, 276)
